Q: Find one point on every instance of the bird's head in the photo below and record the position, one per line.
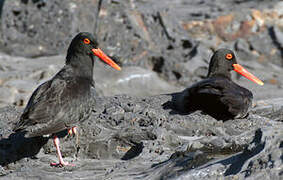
(223, 61)
(83, 45)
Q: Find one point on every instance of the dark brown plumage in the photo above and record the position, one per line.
(218, 95)
(65, 100)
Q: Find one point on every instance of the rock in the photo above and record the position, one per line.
(259, 160)
(242, 48)
(279, 36)
(7, 95)
(35, 28)
(162, 48)
(197, 65)
(271, 108)
(131, 81)
(145, 33)
(21, 76)
(135, 137)
(153, 37)
(270, 53)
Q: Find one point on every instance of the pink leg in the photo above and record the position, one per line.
(61, 161)
(72, 131)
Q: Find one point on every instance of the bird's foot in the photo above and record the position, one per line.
(61, 161)
(61, 164)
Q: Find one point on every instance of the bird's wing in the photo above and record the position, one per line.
(237, 101)
(193, 97)
(211, 87)
(233, 97)
(44, 104)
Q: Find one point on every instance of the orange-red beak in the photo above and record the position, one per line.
(99, 53)
(241, 70)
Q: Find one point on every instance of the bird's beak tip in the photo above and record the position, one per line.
(101, 55)
(241, 70)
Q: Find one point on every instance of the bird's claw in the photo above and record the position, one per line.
(61, 164)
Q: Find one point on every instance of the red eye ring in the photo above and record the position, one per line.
(229, 56)
(86, 41)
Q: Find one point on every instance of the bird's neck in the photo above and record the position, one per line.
(225, 74)
(81, 66)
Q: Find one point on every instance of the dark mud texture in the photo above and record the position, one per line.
(137, 138)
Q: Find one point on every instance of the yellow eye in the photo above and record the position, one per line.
(86, 41)
(229, 56)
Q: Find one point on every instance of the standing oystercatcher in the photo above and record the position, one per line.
(65, 100)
